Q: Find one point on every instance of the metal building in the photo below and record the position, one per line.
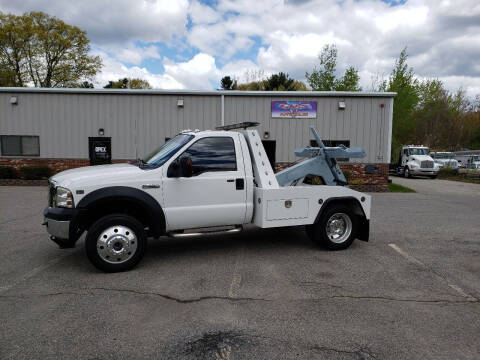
(64, 123)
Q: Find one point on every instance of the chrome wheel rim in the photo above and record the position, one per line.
(339, 227)
(117, 244)
(407, 172)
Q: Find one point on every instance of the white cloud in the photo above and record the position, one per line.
(114, 70)
(110, 22)
(195, 73)
(442, 36)
(203, 14)
(135, 55)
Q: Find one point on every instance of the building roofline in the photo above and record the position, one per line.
(198, 92)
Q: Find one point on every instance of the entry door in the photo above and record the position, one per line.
(215, 195)
(100, 150)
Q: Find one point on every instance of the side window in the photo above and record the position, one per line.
(212, 154)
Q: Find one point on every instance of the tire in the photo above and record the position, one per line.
(323, 233)
(406, 172)
(433, 176)
(116, 243)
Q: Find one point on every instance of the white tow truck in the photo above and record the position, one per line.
(202, 182)
(414, 160)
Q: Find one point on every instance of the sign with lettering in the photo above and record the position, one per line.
(294, 109)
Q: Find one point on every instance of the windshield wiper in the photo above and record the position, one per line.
(141, 163)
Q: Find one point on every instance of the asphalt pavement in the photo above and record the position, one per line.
(412, 292)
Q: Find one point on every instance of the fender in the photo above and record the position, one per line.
(153, 209)
(364, 223)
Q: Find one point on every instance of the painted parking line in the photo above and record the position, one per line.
(413, 260)
(405, 255)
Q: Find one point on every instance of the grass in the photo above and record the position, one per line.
(461, 179)
(455, 175)
(399, 188)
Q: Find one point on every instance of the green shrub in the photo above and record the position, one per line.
(356, 182)
(446, 172)
(35, 172)
(7, 172)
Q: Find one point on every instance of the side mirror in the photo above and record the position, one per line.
(186, 166)
(173, 170)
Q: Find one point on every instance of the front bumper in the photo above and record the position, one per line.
(57, 221)
(425, 172)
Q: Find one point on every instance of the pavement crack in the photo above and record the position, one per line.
(85, 291)
(385, 298)
(359, 352)
(178, 299)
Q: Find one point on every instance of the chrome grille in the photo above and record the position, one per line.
(427, 164)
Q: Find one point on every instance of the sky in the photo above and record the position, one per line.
(192, 44)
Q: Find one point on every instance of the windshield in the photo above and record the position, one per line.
(444, 156)
(476, 158)
(165, 152)
(418, 151)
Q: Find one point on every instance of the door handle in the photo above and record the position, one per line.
(230, 180)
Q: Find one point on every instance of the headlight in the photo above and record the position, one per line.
(414, 165)
(63, 198)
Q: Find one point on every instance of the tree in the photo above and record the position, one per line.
(405, 85)
(43, 51)
(128, 83)
(279, 82)
(324, 78)
(275, 82)
(349, 81)
(227, 83)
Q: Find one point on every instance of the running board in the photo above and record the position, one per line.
(205, 231)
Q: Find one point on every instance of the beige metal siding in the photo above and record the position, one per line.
(364, 122)
(65, 121)
(138, 123)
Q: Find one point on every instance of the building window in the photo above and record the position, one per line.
(332, 143)
(16, 145)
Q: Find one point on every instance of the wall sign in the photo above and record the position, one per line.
(294, 109)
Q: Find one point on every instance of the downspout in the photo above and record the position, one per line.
(223, 110)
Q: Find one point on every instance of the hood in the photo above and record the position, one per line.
(420, 158)
(98, 174)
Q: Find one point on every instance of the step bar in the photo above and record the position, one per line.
(205, 231)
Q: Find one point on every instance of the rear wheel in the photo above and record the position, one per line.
(433, 176)
(336, 229)
(116, 243)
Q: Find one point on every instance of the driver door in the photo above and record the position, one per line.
(215, 195)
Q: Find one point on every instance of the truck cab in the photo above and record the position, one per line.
(444, 159)
(198, 182)
(414, 160)
(468, 161)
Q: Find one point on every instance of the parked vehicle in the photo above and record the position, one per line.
(209, 181)
(468, 160)
(444, 159)
(414, 160)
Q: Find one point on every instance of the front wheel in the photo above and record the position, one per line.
(406, 172)
(116, 243)
(433, 176)
(336, 229)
